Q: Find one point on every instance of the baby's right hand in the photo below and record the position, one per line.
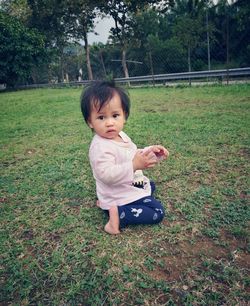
(144, 160)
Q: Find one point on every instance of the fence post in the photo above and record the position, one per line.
(151, 67)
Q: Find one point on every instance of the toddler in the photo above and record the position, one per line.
(122, 189)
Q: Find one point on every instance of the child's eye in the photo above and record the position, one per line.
(116, 115)
(100, 117)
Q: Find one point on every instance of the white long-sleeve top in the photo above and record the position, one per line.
(112, 167)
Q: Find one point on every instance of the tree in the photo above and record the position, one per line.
(64, 21)
(81, 15)
(146, 23)
(122, 12)
(49, 18)
(188, 27)
(236, 30)
(20, 50)
(119, 10)
(241, 35)
(17, 8)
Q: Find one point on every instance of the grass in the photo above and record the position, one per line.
(53, 247)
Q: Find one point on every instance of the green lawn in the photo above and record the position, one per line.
(53, 247)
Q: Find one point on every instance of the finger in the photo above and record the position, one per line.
(151, 164)
(146, 153)
(164, 151)
(151, 155)
(156, 149)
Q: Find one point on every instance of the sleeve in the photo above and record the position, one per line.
(106, 170)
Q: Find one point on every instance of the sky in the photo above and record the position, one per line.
(102, 28)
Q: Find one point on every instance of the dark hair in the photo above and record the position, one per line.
(98, 93)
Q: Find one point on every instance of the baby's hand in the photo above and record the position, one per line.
(143, 160)
(160, 152)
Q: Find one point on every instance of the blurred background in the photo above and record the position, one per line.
(50, 41)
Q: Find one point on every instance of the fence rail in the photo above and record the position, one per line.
(223, 73)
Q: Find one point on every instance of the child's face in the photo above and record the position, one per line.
(108, 122)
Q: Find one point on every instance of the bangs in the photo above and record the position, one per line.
(102, 98)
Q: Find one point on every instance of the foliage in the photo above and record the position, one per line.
(126, 28)
(21, 48)
(52, 20)
(17, 8)
(190, 38)
(145, 24)
(149, 36)
(81, 15)
(49, 18)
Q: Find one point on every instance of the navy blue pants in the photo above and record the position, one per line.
(146, 210)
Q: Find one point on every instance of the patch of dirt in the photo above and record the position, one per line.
(150, 110)
(233, 242)
(242, 260)
(185, 255)
(245, 152)
(156, 110)
(175, 265)
(27, 235)
(54, 237)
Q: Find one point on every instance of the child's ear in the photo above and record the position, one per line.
(90, 125)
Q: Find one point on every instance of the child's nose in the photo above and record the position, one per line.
(110, 121)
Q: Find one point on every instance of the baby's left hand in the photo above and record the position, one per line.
(160, 152)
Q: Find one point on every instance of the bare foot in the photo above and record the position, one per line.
(111, 229)
(97, 203)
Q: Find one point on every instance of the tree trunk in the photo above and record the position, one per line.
(151, 67)
(208, 43)
(60, 74)
(124, 65)
(189, 63)
(227, 44)
(87, 52)
(102, 62)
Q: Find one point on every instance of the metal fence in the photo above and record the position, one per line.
(106, 62)
(154, 60)
(158, 62)
(199, 77)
